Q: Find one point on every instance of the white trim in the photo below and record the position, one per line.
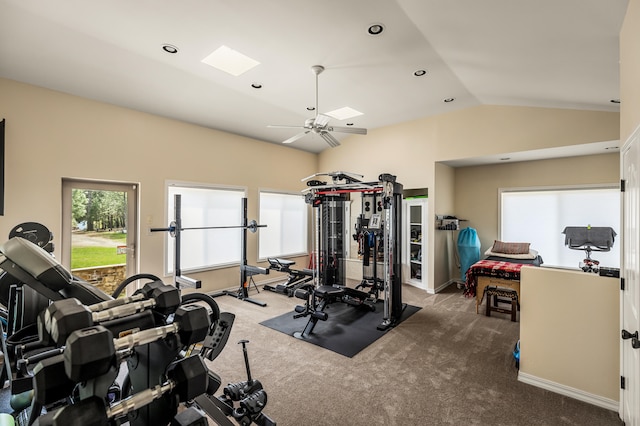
(561, 389)
(441, 287)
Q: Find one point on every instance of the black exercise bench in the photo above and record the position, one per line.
(316, 302)
(297, 278)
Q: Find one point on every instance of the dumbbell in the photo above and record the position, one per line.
(63, 317)
(50, 382)
(186, 378)
(91, 352)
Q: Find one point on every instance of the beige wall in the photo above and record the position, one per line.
(629, 71)
(50, 135)
(476, 188)
(487, 130)
(568, 344)
(52, 132)
(446, 265)
(411, 150)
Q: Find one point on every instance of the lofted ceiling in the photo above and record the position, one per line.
(546, 53)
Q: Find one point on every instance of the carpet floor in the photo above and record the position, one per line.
(443, 365)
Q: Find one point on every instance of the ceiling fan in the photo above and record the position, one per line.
(320, 123)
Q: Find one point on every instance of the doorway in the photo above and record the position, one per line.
(99, 231)
(630, 296)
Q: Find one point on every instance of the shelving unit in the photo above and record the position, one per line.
(415, 262)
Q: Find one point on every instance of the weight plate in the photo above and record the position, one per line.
(32, 231)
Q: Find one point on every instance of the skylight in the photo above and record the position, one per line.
(343, 113)
(230, 61)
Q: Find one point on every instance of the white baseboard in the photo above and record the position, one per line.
(441, 287)
(578, 394)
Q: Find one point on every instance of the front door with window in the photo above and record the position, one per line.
(99, 231)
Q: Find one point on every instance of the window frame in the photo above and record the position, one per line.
(576, 187)
(305, 251)
(168, 269)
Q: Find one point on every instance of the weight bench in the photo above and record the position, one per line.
(493, 298)
(297, 278)
(316, 302)
(35, 267)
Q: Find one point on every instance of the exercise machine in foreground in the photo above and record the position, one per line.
(381, 214)
(157, 337)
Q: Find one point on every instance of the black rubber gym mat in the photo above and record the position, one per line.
(347, 331)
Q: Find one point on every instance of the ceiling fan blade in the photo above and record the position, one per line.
(278, 126)
(321, 120)
(296, 137)
(333, 142)
(356, 130)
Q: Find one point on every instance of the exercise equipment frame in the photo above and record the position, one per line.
(175, 230)
(328, 201)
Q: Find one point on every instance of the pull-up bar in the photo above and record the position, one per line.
(175, 228)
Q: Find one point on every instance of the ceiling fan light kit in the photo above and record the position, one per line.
(320, 123)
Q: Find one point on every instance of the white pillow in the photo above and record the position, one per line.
(531, 255)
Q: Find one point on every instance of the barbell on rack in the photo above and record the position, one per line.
(251, 226)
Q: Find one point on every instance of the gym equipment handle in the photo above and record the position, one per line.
(123, 310)
(116, 302)
(143, 337)
(138, 400)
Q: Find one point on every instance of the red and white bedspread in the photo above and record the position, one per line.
(490, 268)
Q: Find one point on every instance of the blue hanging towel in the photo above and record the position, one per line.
(469, 250)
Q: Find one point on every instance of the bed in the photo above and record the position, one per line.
(501, 268)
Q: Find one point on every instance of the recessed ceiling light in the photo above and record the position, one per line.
(169, 48)
(447, 100)
(230, 61)
(420, 73)
(256, 85)
(375, 29)
(615, 101)
(343, 113)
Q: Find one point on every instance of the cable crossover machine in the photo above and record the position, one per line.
(381, 217)
(247, 272)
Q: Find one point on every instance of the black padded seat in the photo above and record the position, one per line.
(281, 262)
(35, 267)
(328, 291)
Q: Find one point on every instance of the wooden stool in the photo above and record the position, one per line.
(493, 295)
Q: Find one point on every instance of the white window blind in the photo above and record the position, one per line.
(539, 216)
(206, 207)
(286, 218)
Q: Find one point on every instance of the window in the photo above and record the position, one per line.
(539, 216)
(286, 218)
(203, 206)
